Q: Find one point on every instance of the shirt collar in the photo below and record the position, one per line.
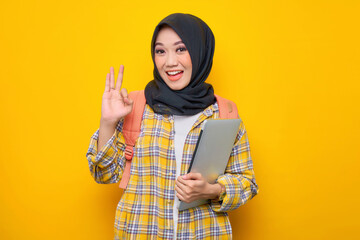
(210, 110)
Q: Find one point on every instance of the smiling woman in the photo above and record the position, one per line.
(178, 101)
(172, 59)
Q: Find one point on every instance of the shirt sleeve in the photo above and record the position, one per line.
(239, 177)
(107, 164)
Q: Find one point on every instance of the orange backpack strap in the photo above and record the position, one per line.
(131, 131)
(227, 108)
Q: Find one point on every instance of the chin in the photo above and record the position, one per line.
(175, 88)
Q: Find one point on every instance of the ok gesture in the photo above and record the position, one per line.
(115, 102)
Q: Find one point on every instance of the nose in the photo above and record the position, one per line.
(171, 60)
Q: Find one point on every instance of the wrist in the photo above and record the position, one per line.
(108, 123)
(220, 192)
(216, 191)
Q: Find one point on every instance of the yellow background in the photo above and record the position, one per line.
(292, 67)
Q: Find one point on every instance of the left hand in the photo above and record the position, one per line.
(193, 186)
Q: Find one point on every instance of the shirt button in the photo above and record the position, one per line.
(169, 201)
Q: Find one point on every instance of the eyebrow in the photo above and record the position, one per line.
(159, 43)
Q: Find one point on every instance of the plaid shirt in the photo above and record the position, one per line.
(145, 210)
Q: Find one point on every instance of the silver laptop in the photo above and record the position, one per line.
(212, 152)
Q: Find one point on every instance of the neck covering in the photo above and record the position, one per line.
(197, 95)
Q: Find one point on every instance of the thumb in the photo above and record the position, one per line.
(128, 101)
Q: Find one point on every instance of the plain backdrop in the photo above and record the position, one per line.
(292, 67)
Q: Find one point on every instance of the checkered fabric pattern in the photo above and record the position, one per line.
(145, 210)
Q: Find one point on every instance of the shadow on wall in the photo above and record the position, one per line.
(108, 196)
(243, 220)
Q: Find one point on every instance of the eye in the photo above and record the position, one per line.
(181, 49)
(159, 51)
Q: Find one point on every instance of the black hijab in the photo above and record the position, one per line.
(198, 95)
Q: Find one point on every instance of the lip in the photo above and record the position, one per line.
(174, 77)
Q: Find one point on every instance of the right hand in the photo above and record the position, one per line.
(115, 102)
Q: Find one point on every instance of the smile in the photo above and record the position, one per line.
(174, 75)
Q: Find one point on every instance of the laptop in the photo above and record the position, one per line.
(212, 152)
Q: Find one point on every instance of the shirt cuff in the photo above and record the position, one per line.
(224, 202)
(109, 151)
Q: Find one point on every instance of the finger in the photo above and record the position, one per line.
(125, 97)
(112, 83)
(120, 78)
(181, 198)
(181, 182)
(180, 192)
(123, 93)
(183, 191)
(107, 83)
(193, 176)
(129, 101)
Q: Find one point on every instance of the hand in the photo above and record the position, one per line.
(115, 102)
(193, 186)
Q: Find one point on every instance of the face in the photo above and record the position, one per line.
(172, 59)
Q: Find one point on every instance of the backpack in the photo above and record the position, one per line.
(132, 125)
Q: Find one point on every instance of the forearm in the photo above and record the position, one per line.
(213, 191)
(106, 130)
(240, 188)
(239, 177)
(107, 163)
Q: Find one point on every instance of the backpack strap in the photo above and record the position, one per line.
(131, 131)
(227, 108)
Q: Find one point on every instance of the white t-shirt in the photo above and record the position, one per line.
(182, 125)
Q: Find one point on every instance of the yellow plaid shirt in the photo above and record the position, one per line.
(145, 210)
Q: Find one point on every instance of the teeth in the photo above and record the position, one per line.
(173, 73)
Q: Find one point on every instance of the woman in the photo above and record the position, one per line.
(178, 101)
